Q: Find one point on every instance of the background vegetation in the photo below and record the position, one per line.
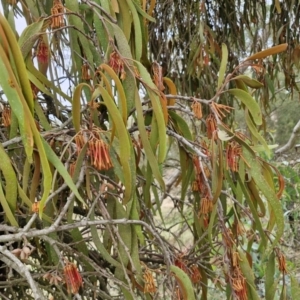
(145, 147)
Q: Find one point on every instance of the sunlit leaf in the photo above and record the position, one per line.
(271, 51)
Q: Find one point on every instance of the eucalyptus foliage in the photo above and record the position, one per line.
(110, 110)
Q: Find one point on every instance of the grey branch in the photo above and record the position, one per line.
(19, 235)
(12, 261)
(292, 141)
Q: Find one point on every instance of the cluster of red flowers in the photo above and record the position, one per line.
(117, 64)
(72, 277)
(98, 150)
(42, 52)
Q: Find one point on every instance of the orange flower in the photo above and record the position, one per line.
(233, 154)
(206, 206)
(57, 10)
(85, 72)
(72, 277)
(35, 90)
(197, 109)
(35, 208)
(42, 52)
(6, 116)
(282, 263)
(239, 284)
(72, 168)
(195, 274)
(117, 64)
(211, 126)
(99, 153)
(149, 282)
(79, 141)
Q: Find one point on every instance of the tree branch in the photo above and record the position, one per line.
(12, 261)
(292, 141)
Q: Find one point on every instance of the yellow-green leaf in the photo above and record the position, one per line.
(256, 173)
(120, 89)
(223, 65)
(184, 282)
(270, 283)
(76, 105)
(61, 170)
(10, 180)
(125, 153)
(248, 273)
(250, 103)
(249, 81)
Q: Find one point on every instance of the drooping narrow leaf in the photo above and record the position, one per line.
(184, 283)
(256, 134)
(157, 109)
(8, 213)
(256, 173)
(125, 153)
(10, 179)
(31, 34)
(61, 170)
(295, 288)
(19, 63)
(172, 90)
(271, 51)
(223, 65)
(248, 273)
(137, 30)
(249, 81)
(270, 283)
(146, 144)
(122, 96)
(250, 103)
(76, 105)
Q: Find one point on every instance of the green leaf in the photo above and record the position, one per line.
(121, 93)
(145, 141)
(30, 35)
(295, 288)
(184, 283)
(248, 273)
(129, 83)
(182, 127)
(17, 59)
(157, 109)
(137, 30)
(16, 100)
(76, 105)
(270, 284)
(10, 179)
(249, 81)
(256, 172)
(142, 12)
(256, 134)
(223, 65)
(217, 171)
(100, 247)
(61, 170)
(125, 19)
(250, 103)
(125, 144)
(253, 210)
